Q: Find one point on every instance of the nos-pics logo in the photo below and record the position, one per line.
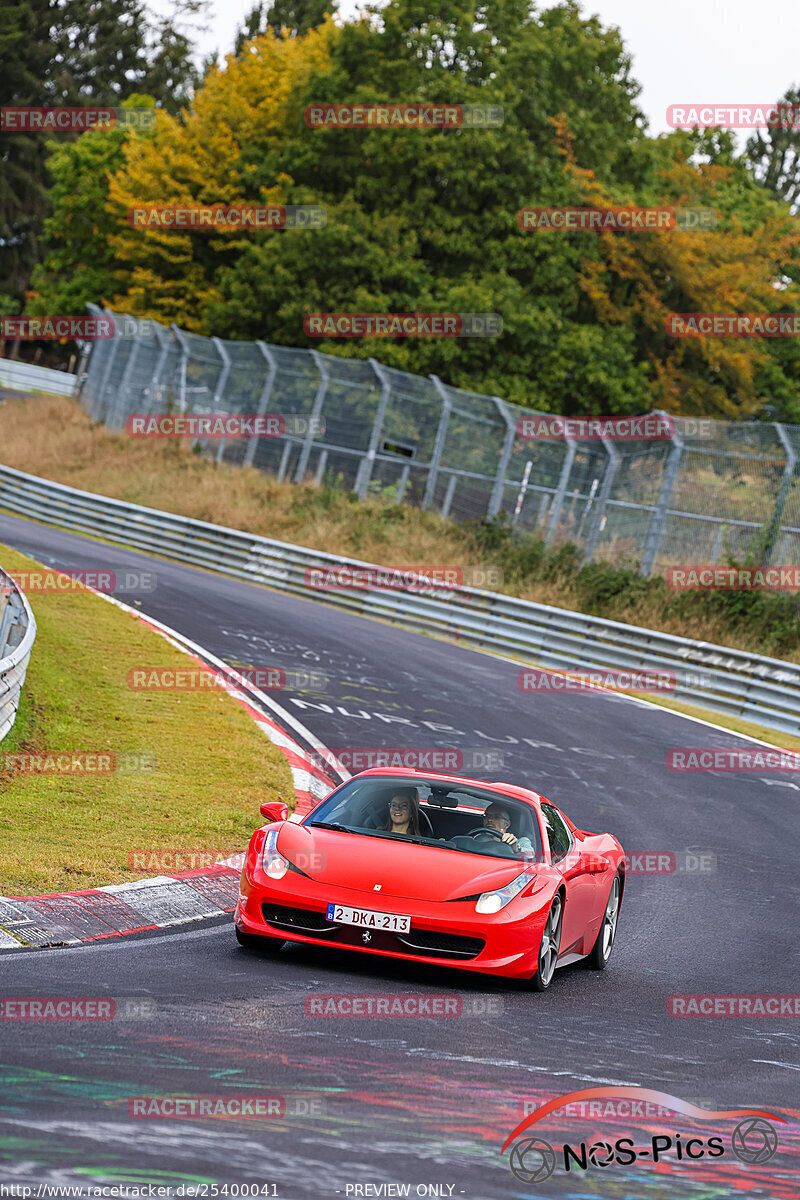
(753, 1140)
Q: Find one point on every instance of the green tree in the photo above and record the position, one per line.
(774, 154)
(25, 29)
(254, 104)
(80, 266)
(171, 76)
(297, 16)
(73, 53)
(107, 50)
(425, 219)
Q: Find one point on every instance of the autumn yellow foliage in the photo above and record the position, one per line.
(201, 158)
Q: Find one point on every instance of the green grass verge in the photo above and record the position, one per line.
(212, 765)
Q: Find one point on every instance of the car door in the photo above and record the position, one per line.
(581, 884)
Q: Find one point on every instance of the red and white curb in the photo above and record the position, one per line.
(119, 909)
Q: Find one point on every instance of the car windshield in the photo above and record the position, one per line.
(454, 816)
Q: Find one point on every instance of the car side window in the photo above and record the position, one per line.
(558, 834)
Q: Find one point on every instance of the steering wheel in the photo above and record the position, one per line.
(427, 820)
(485, 829)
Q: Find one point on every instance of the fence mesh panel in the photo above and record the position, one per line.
(702, 492)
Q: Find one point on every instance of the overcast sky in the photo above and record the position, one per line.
(708, 51)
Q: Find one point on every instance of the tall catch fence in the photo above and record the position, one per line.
(710, 489)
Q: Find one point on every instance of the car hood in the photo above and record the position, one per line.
(360, 862)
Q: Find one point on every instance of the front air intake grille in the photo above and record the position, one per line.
(441, 945)
(428, 942)
(304, 920)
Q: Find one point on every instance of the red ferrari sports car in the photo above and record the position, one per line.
(436, 869)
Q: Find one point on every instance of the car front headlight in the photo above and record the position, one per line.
(273, 863)
(492, 902)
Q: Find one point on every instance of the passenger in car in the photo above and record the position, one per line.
(403, 812)
(497, 817)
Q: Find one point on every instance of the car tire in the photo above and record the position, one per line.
(252, 941)
(600, 953)
(548, 947)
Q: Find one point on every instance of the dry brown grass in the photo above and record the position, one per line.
(54, 437)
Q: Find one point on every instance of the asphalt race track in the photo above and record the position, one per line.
(425, 1102)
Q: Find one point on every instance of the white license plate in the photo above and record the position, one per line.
(367, 919)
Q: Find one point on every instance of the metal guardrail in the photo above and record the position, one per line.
(25, 377)
(734, 682)
(17, 633)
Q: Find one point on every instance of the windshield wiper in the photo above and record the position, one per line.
(333, 825)
(406, 837)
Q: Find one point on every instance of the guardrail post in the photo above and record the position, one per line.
(163, 351)
(561, 487)
(323, 461)
(117, 409)
(17, 626)
(97, 407)
(283, 465)
(5, 624)
(316, 411)
(774, 527)
(448, 496)
(438, 449)
(656, 529)
(16, 630)
(225, 371)
(219, 389)
(402, 484)
(82, 368)
(496, 498)
(602, 499)
(523, 488)
(87, 359)
(263, 401)
(181, 340)
(364, 473)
